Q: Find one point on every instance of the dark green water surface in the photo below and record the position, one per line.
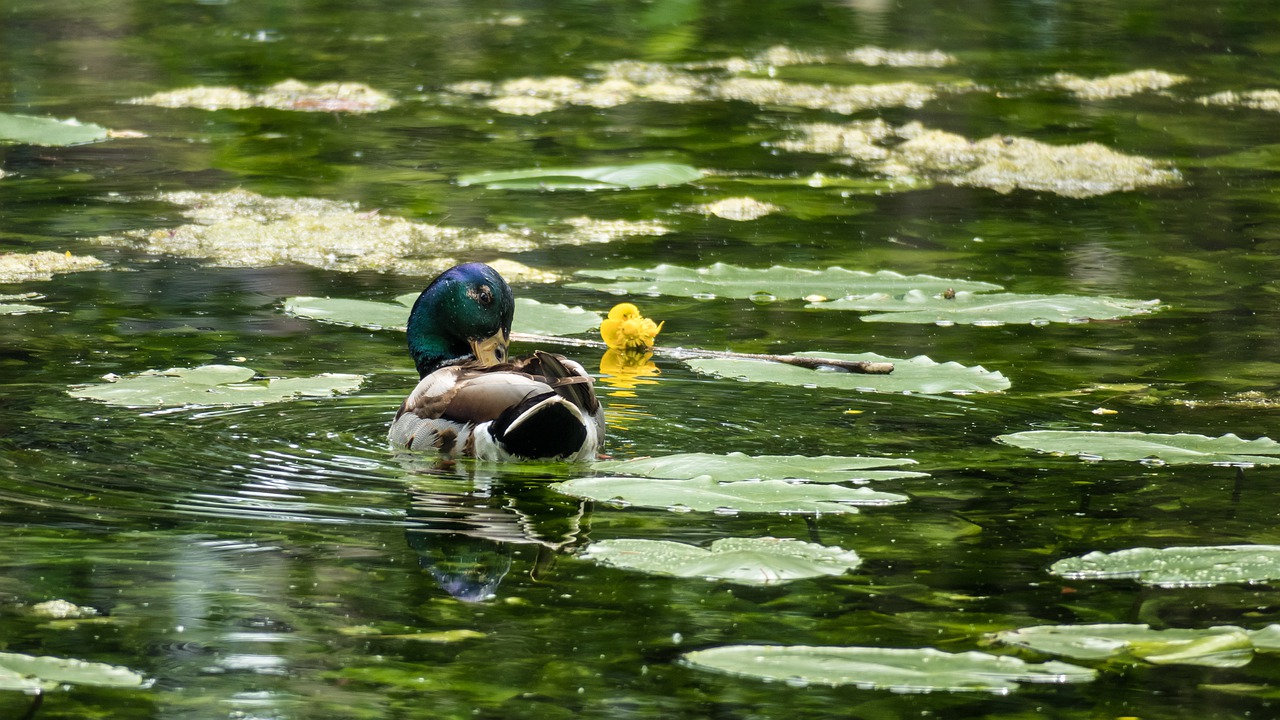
(241, 557)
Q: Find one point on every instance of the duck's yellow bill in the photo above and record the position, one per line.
(491, 350)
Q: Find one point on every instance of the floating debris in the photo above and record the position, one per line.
(844, 99)
(590, 230)
(24, 267)
(1002, 163)
(1251, 399)
(1257, 99)
(287, 95)
(783, 56)
(740, 209)
(1116, 86)
(631, 81)
(62, 609)
(239, 228)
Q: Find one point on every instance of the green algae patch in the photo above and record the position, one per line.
(1001, 163)
(25, 267)
(238, 228)
(1115, 86)
(1268, 100)
(341, 97)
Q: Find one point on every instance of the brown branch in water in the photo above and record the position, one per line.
(813, 363)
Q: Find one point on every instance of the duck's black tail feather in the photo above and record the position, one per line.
(568, 384)
(541, 426)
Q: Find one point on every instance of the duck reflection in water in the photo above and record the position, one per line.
(469, 529)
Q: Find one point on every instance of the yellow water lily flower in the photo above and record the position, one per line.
(626, 328)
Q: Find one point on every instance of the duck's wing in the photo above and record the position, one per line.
(447, 404)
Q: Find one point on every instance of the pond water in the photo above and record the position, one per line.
(277, 560)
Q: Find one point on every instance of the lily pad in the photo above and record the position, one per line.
(531, 316)
(782, 283)
(1150, 448)
(750, 561)
(212, 385)
(967, 308)
(1221, 646)
(737, 466)
(586, 178)
(917, 375)
(1177, 566)
(29, 673)
(704, 494)
(897, 669)
(31, 130)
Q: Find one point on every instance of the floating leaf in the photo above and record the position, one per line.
(1152, 448)
(737, 466)
(30, 674)
(706, 495)
(917, 375)
(31, 130)
(531, 316)
(967, 308)
(19, 308)
(1177, 566)
(586, 178)
(750, 561)
(1221, 646)
(784, 283)
(212, 385)
(343, 311)
(897, 669)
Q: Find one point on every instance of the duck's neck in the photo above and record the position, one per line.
(430, 349)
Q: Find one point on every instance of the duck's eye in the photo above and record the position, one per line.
(484, 295)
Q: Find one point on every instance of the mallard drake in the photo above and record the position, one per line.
(471, 400)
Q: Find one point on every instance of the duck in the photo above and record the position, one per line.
(472, 400)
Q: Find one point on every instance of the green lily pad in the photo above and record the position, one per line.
(967, 308)
(31, 130)
(1177, 566)
(531, 317)
(19, 309)
(897, 669)
(1150, 448)
(212, 385)
(750, 561)
(737, 466)
(32, 674)
(586, 178)
(781, 283)
(1221, 646)
(706, 495)
(917, 375)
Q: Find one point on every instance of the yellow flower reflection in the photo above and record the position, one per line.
(627, 329)
(626, 369)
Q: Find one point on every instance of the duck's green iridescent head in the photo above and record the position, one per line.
(464, 314)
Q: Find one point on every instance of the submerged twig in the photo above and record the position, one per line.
(813, 363)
